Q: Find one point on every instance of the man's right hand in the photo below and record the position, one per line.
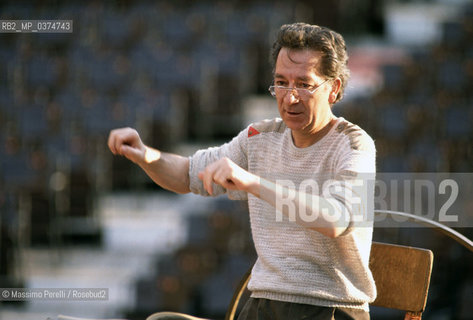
(127, 142)
(168, 170)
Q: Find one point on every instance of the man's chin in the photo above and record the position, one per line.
(294, 125)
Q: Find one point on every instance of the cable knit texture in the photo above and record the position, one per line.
(296, 264)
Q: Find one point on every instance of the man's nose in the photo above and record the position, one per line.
(291, 97)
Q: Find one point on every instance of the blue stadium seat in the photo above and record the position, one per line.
(393, 121)
(6, 100)
(175, 29)
(451, 75)
(139, 105)
(392, 163)
(393, 76)
(17, 11)
(217, 290)
(198, 230)
(69, 100)
(114, 29)
(96, 116)
(17, 172)
(42, 71)
(122, 113)
(426, 154)
(141, 57)
(6, 54)
(453, 33)
(236, 29)
(222, 55)
(458, 123)
(33, 122)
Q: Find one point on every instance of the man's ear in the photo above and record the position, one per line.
(336, 85)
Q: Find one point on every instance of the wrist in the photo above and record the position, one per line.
(255, 185)
(150, 155)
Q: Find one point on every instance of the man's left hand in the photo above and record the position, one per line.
(229, 175)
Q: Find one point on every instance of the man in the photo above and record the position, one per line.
(299, 174)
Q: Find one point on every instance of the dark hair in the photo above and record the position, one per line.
(330, 43)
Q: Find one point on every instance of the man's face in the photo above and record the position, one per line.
(298, 68)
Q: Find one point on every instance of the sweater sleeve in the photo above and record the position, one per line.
(353, 186)
(235, 150)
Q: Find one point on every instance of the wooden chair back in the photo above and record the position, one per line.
(402, 276)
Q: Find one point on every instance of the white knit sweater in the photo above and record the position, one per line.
(296, 264)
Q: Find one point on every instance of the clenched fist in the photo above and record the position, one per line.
(229, 175)
(127, 142)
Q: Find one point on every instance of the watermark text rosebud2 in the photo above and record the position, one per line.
(419, 196)
(443, 197)
(308, 201)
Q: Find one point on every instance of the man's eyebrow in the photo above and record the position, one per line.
(301, 78)
(304, 78)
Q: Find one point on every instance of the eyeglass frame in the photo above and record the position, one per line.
(272, 89)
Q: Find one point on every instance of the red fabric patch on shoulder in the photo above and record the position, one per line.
(252, 132)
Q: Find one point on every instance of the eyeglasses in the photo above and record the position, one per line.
(302, 93)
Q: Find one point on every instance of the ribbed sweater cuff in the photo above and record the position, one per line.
(309, 300)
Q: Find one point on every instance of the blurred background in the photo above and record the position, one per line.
(191, 74)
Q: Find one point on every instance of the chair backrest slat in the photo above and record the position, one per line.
(402, 276)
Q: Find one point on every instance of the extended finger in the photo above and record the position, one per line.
(118, 143)
(111, 142)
